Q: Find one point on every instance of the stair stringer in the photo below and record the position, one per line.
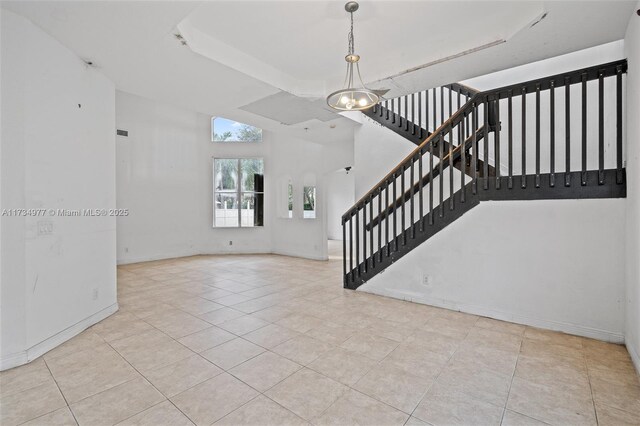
(520, 188)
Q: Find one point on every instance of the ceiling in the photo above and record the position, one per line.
(307, 40)
(244, 57)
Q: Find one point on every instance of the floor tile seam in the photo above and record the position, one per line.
(310, 337)
(271, 387)
(435, 379)
(204, 329)
(361, 393)
(513, 375)
(239, 335)
(236, 409)
(99, 392)
(132, 335)
(149, 382)
(527, 416)
(30, 386)
(593, 399)
(61, 393)
(378, 363)
(149, 408)
(516, 411)
(616, 408)
(237, 365)
(203, 313)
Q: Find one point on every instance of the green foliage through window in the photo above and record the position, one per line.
(224, 130)
(238, 192)
(309, 202)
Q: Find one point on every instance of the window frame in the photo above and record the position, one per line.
(213, 118)
(239, 193)
(315, 203)
(290, 202)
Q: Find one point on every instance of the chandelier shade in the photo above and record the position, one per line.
(351, 97)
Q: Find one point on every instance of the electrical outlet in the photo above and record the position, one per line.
(230, 242)
(426, 279)
(95, 294)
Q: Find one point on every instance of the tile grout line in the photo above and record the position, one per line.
(30, 386)
(286, 301)
(261, 393)
(61, 393)
(378, 363)
(586, 366)
(302, 367)
(442, 369)
(149, 382)
(137, 371)
(533, 381)
(513, 375)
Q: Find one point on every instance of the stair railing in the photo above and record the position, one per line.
(422, 112)
(390, 219)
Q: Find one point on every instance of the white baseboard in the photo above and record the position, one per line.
(17, 359)
(150, 258)
(575, 329)
(13, 360)
(300, 255)
(634, 357)
(232, 252)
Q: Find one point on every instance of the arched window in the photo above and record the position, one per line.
(224, 130)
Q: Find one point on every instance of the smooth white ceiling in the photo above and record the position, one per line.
(271, 46)
(308, 39)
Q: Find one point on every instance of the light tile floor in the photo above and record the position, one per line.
(273, 340)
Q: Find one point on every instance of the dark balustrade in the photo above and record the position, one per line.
(384, 225)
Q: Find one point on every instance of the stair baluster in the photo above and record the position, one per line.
(455, 142)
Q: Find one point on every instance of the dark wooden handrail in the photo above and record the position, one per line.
(418, 152)
(462, 89)
(428, 178)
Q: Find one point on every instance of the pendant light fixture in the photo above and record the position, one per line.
(352, 98)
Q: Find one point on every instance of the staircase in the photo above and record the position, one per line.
(486, 148)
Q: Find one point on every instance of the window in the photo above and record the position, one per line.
(309, 199)
(223, 130)
(238, 192)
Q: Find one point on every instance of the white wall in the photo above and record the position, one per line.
(306, 163)
(377, 150)
(571, 61)
(545, 263)
(57, 153)
(164, 177)
(581, 59)
(158, 172)
(632, 51)
(341, 196)
(302, 162)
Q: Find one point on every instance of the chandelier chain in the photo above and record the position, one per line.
(352, 97)
(350, 37)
